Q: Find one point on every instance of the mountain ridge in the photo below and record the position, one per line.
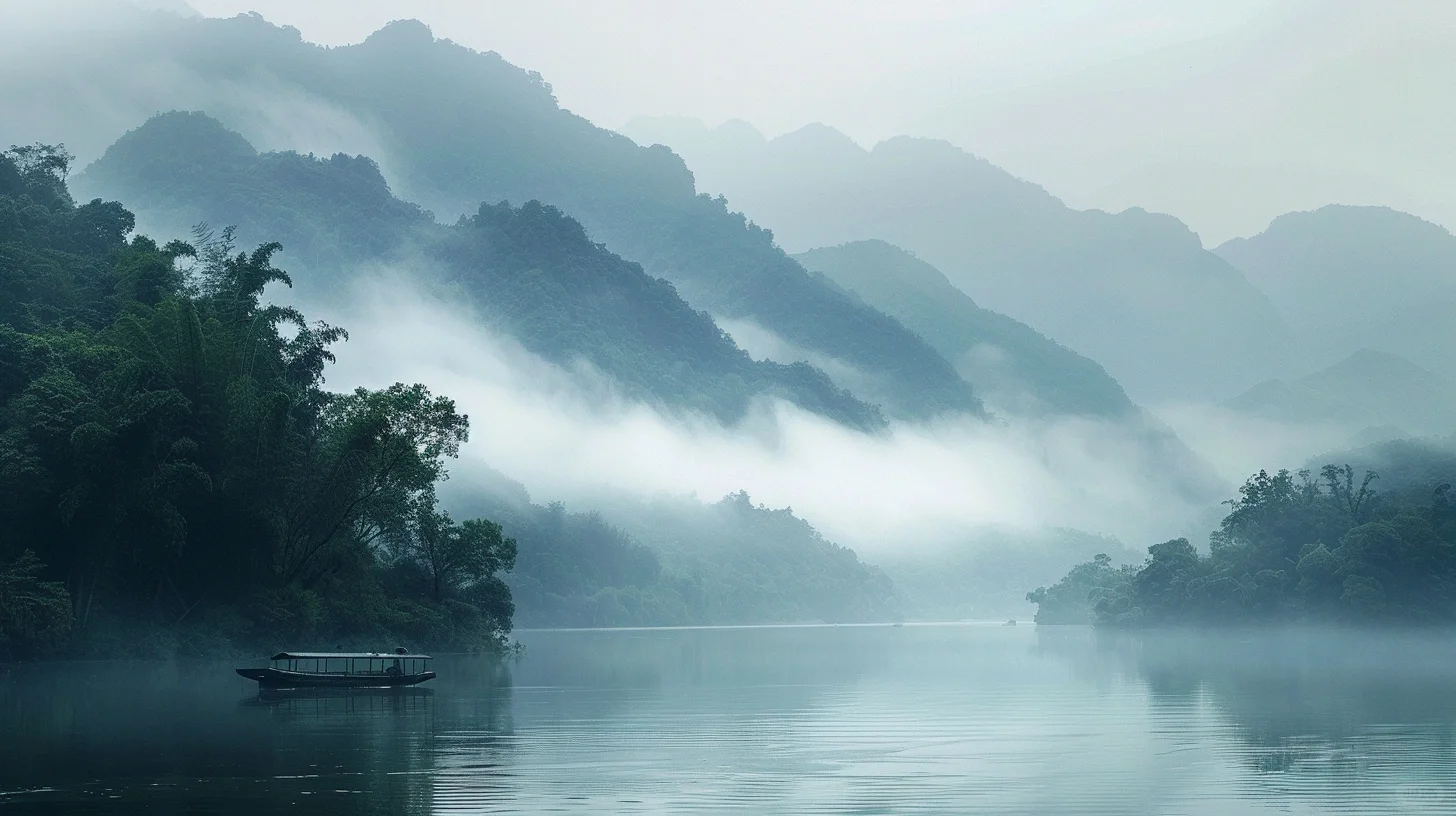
(1188, 324)
(1356, 277)
(530, 270)
(1369, 388)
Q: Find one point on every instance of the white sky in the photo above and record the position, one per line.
(863, 66)
(1222, 112)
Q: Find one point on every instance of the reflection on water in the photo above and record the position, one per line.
(1319, 715)
(913, 719)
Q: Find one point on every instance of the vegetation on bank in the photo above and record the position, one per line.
(173, 476)
(1294, 547)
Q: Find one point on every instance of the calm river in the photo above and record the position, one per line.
(863, 720)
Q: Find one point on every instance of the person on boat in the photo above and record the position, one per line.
(394, 670)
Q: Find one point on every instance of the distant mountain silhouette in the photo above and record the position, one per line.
(1348, 278)
(1015, 368)
(1369, 388)
(451, 127)
(1135, 291)
(1019, 371)
(529, 271)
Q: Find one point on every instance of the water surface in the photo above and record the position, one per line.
(852, 720)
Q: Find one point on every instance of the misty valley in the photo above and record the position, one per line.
(714, 471)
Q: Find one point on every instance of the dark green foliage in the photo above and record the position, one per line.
(168, 454)
(1073, 599)
(566, 297)
(1304, 547)
(530, 271)
(34, 613)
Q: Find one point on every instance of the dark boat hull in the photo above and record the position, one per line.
(282, 678)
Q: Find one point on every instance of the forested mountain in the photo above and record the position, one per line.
(1015, 368)
(1351, 278)
(529, 271)
(1366, 536)
(174, 478)
(679, 562)
(1134, 291)
(455, 127)
(1366, 389)
(331, 215)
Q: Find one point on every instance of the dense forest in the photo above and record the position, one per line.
(674, 562)
(529, 271)
(1373, 541)
(173, 476)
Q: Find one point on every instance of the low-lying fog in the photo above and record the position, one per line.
(566, 434)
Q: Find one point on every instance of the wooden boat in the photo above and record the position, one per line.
(342, 670)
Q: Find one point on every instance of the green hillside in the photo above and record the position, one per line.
(174, 479)
(530, 271)
(456, 127)
(1363, 537)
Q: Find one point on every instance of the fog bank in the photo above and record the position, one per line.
(565, 434)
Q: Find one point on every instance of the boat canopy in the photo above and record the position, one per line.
(347, 656)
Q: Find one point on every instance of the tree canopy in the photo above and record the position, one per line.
(1329, 546)
(172, 468)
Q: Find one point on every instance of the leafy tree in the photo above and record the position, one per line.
(170, 464)
(1300, 547)
(458, 556)
(33, 612)
(1072, 599)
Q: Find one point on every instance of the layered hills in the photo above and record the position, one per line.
(1350, 278)
(1368, 389)
(452, 127)
(1015, 368)
(530, 271)
(1133, 290)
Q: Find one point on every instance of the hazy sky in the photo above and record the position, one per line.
(1222, 112)
(864, 66)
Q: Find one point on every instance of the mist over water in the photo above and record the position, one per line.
(920, 719)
